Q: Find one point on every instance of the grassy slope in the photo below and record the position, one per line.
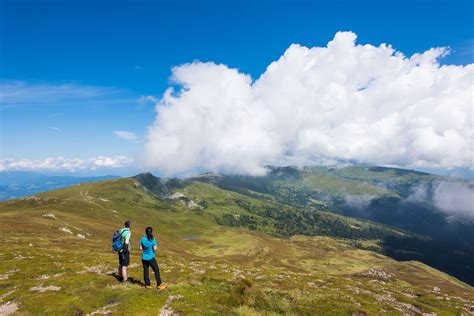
(216, 269)
(287, 182)
(379, 194)
(275, 218)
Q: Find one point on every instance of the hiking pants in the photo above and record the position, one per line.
(151, 263)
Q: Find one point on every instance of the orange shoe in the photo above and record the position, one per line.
(149, 287)
(161, 287)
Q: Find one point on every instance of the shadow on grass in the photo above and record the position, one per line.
(130, 280)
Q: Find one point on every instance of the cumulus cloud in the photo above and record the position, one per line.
(130, 136)
(345, 101)
(64, 164)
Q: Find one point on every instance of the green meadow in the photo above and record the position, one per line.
(220, 253)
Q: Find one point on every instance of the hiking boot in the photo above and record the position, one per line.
(161, 287)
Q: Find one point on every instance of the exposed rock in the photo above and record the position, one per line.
(81, 236)
(184, 200)
(8, 308)
(409, 295)
(192, 204)
(96, 270)
(176, 196)
(103, 311)
(43, 277)
(409, 310)
(436, 289)
(377, 274)
(354, 289)
(50, 215)
(386, 298)
(405, 308)
(45, 289)
(20, 257)
(66, 230)
(200, 271)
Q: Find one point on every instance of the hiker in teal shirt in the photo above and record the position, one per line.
(148, 246)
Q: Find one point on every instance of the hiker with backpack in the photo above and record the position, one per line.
(121, 244)
(148, 246)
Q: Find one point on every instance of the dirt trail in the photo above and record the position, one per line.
(166, 310)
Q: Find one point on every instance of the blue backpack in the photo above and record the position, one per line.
(117, 243)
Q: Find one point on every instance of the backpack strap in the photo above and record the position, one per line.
(123, 230)
(121, 233)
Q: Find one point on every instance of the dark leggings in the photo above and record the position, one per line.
(151, 263)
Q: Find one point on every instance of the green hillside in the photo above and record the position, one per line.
(405, 199)
(221, 252)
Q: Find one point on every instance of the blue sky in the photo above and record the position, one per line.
(74, 73)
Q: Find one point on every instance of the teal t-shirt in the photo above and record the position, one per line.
(148, 253)
(126, 233)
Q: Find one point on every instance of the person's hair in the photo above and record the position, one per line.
(128, 224)
(149, 233)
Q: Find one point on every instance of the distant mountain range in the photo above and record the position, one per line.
(15, 184)
(412, 215)
(434, 213)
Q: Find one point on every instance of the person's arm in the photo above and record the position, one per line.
(141, 248)
(155, 245)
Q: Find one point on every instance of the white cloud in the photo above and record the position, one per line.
(359, 202)
(455, 199)
(344, 101)
(56, 129)
(130, 136)
(144, 99)
(64, 164)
